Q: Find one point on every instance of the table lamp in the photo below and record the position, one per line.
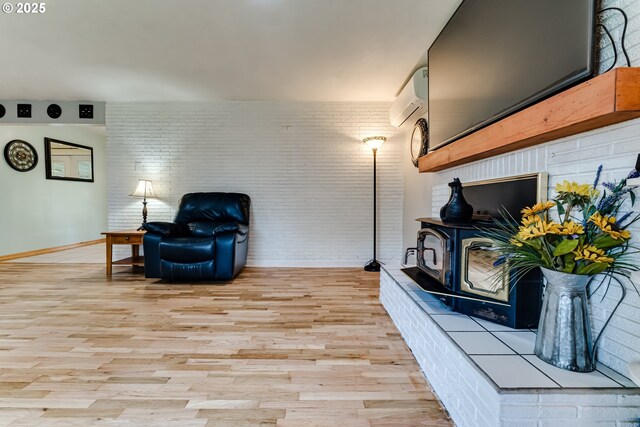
(144, 190)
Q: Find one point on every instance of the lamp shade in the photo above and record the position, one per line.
(144, 189)
(374, 142)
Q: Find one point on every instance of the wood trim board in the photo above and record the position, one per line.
(609, 98)
(50, 250)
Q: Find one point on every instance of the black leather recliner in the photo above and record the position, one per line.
(208, 239)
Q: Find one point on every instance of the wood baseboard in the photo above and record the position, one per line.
(50, 250)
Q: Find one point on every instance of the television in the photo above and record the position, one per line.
(495, 57)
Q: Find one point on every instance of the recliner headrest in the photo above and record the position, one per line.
(214, 207)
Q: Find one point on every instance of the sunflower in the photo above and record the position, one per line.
(592, 254)
(528, 220)
(537, 208)
(515, 242)
(538, 229)
(607, 224)
(570, 228)
(582, 190)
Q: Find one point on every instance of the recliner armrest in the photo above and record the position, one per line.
(204, 229)
(167, 229)
(226, 228)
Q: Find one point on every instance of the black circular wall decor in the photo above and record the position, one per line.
(419, 140)
(54, 111)
(3, 111)
(20, 155)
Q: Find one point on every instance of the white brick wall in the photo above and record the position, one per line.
(577, 158)
(303, 164)
(472, 401)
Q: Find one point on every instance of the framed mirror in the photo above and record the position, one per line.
(67, 161)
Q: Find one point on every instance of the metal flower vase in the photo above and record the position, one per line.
(564, 336)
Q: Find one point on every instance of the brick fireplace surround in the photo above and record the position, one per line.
(486, 374)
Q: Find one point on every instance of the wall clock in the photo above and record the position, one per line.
(20, 155)
(419, 140)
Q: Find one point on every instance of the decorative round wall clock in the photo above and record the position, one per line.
(419, 140)
(20, 155)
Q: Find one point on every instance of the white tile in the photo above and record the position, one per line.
(479, 343)
(435, 307)
(522, 342)
(490, 326)
(401, 277)
(619, 378)
(457, 322)
(427, 297)
(566, 378)
(513, 372)
(410, 286)
(397, 275)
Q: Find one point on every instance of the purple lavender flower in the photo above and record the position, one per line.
(608, 202)
(597, 180)
(624, 217)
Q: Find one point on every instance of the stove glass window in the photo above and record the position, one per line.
(432, 252)
(479, 274)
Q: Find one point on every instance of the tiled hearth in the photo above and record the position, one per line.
(487, 375)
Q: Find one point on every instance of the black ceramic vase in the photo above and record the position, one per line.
(457, 209)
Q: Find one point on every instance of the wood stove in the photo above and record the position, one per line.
(468, 276)
(456, 261)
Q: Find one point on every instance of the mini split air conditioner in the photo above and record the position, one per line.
(412, 100)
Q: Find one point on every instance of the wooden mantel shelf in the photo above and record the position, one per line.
(604, 100)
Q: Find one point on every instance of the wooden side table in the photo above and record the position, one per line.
(127, 237)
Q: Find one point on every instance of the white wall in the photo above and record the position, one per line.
(38, 213)
(303, 164)
(577, 158)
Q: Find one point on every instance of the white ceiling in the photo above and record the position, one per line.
(193, 50)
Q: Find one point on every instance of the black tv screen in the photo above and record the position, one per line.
(495, 57)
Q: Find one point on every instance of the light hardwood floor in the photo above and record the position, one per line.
(285, 347)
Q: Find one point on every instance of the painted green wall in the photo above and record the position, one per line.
(36, 212)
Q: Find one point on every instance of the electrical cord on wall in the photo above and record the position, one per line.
(624, 33)
(613, 43)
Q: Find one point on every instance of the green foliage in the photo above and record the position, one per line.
(565, 247)
(593, 268)
(569, 261)
(606, 241)
(580, 236)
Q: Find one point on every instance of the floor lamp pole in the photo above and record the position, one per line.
(374, 265)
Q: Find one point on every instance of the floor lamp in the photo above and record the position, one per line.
(374, 143)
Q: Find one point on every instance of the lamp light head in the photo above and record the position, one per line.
(144, 189)
(374, 142)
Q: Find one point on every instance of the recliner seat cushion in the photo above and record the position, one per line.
(187, 249)
(187, 272)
